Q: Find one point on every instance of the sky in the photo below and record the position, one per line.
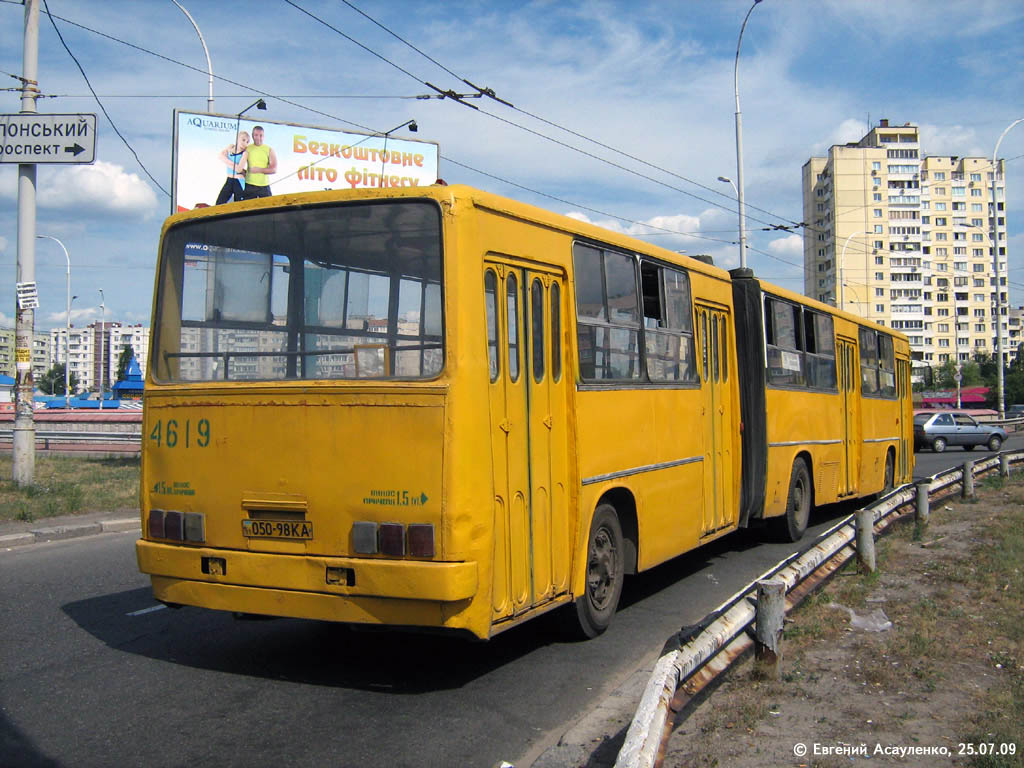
(623, 112)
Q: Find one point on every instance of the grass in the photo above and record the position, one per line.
(69, 485)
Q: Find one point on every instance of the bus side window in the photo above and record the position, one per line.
(491, 309)
(556, 332)
(512, 295)
(783, 342)
(868, 361)
(537, 324)
(607, 314)
(819, 337)
(668, 324)
(886, 367)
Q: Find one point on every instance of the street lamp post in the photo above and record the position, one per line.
(993, 221)
(412, 127)
(209, 66)
(741, 210)
(841, 267)
(103, 323)
(67, 355)
(67, 338)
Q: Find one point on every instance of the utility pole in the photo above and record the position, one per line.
(24, 447)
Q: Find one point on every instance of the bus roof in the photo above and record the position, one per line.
(458, 194)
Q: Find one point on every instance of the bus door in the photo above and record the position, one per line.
(712, 330)
(849, 376)
(528, 410)
(905, 417)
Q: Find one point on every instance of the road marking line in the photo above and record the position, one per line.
(146, 610)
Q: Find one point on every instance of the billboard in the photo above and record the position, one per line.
(205, 157)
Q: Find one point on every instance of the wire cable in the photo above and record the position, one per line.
(490, 92)
(100, 103)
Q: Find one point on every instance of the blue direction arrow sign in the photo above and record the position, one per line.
(38, 138)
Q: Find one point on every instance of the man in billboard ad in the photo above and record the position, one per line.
(260, 163)
(298, 158)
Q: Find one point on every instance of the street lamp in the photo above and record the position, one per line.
(841, 266)
(993, 221)
(209, 66)
(67, 338)
(412, 128)
(739, 145)
(67, 362)
(103, 323)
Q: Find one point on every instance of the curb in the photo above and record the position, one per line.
(57, 533)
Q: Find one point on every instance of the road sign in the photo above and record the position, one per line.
(37, 138)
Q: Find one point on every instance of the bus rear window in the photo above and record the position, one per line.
(328, 292)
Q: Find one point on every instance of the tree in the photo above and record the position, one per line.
(52, 382)
(124, 361)
(944, 375)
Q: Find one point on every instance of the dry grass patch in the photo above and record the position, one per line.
(69, 485)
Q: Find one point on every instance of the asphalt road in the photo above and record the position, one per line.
(94, 673)
(928, 462)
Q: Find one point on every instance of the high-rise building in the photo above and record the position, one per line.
(904, 239)
(40, 353)
(96, 348)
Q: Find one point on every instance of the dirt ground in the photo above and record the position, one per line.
(940, 684)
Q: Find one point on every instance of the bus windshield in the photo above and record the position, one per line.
(342, 291)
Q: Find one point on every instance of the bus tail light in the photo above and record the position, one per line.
(177, 526)
(393, 539)
(421, 540)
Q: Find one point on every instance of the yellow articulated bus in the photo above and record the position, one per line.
(439, 408)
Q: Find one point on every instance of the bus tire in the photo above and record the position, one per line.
(798, 502)
(605, 569)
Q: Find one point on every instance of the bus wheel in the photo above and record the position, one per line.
(605, 569)
(798, 505)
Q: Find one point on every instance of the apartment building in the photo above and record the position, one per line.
(903, 239)
(40, 353)
(94, 350)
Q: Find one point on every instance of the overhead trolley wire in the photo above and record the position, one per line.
(442, 94)
(100, 103)
(480, 92)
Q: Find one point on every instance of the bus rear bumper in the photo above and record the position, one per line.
(179, 571)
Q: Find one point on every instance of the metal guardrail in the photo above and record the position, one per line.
(64, 436)
(701, 652)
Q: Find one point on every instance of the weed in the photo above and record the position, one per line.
(69, 485)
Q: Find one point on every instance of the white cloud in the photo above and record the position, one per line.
(951, 140)
(790, 247)
(677, 232)
(100, 187)
(6, 321)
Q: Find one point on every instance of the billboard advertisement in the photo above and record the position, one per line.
(217, 159)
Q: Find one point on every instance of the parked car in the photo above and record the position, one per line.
(1015, 411)
(939, 430)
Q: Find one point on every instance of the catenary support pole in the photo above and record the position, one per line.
(23, 458)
